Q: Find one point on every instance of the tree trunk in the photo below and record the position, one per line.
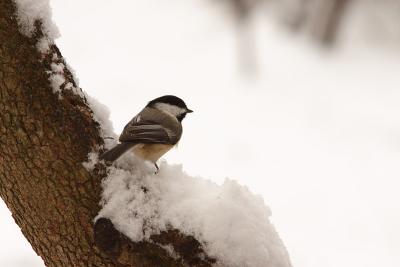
(321, 18)
(44, 138)
(331, 15)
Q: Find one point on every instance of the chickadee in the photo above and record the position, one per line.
(152, 132)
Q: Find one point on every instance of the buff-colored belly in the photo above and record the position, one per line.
(151, 152)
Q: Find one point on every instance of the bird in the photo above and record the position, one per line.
(153, 131)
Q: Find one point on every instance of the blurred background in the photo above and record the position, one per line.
(296, 99)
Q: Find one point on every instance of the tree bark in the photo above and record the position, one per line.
(319, 18)
(44, 139)
(328, 24)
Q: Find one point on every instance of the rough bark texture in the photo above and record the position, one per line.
(44, 139)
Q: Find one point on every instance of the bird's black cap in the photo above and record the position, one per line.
(169, 99)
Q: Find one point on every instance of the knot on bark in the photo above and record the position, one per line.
(106, 237)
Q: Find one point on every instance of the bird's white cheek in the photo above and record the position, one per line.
(171, 109)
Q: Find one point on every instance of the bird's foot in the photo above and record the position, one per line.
(157, 168)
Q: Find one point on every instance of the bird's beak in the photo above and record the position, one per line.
(189, 110)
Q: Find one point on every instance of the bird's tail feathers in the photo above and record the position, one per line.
(116, 152)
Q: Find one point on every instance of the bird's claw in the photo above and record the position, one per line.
(157, 168)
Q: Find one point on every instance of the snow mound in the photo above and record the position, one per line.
(101, 114)
(30, 11)
(229, 221)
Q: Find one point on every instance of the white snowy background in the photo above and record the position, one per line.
(316, 133)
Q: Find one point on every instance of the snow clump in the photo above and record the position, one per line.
(230, 222)
(30, 11)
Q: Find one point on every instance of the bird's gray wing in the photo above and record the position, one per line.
(152, 126)
(149, 133)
